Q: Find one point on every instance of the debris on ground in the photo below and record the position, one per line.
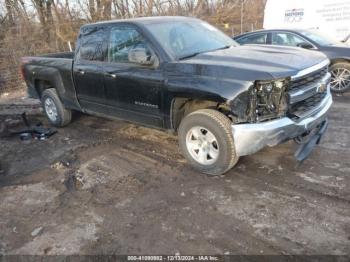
(30, 131)
(36, 231)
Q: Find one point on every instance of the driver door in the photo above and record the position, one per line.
(133, 91)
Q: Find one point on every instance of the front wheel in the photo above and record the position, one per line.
(206, 140)
(340, 80)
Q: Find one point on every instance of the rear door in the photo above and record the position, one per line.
(88, 68)
(133, 91)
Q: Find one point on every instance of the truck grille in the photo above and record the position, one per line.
(309, 79)
(301, 108)
(304, 93)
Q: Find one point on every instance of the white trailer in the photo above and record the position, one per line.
(331, 17)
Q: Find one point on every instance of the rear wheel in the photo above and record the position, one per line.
(55, 111)
(340, 81)
(206, 140)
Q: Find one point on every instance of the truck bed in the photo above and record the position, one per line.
(56, 69)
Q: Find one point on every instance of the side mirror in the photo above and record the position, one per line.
(139, 55)
(305, 45)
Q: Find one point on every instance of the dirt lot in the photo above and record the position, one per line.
(109, 187)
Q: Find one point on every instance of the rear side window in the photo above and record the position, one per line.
(93, 44)
(257, 39)
(122, 40)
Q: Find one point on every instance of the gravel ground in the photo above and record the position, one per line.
(110, 187)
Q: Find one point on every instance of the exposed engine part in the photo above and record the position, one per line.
(268, 100)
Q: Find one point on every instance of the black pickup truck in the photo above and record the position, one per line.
(174, 73)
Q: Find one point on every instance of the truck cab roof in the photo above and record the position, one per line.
(144, 20)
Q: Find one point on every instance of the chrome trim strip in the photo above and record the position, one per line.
(310, 69)
(309, 90)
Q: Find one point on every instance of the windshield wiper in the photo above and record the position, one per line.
(190, 56)
(197, 53)
(222, 48)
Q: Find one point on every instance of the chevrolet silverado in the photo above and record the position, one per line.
(223, 100)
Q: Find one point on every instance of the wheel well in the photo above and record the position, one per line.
(340, 60)
(181, 107)
(41, 85)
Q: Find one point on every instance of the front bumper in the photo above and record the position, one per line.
(250, 138)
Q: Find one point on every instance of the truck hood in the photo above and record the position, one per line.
(251, 62)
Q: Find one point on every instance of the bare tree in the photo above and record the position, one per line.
(59, 21)
(9, 9)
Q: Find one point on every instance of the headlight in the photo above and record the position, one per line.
(268, 100)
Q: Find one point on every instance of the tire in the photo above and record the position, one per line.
(342, 70)
(206, 141)
(54, 110)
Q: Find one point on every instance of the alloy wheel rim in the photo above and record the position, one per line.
(202, 145)
(340, 79)
(51, 109)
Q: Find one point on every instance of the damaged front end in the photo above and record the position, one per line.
(268, 100)
(273, 112)
(265, 100)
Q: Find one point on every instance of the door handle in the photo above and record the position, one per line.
(111, 75)
(81, 72)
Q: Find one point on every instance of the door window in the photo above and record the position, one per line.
(259, 39)
(93, 44)
(122, 40)
(286, 39)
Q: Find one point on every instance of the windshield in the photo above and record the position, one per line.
(319, 38)
(187, 38)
